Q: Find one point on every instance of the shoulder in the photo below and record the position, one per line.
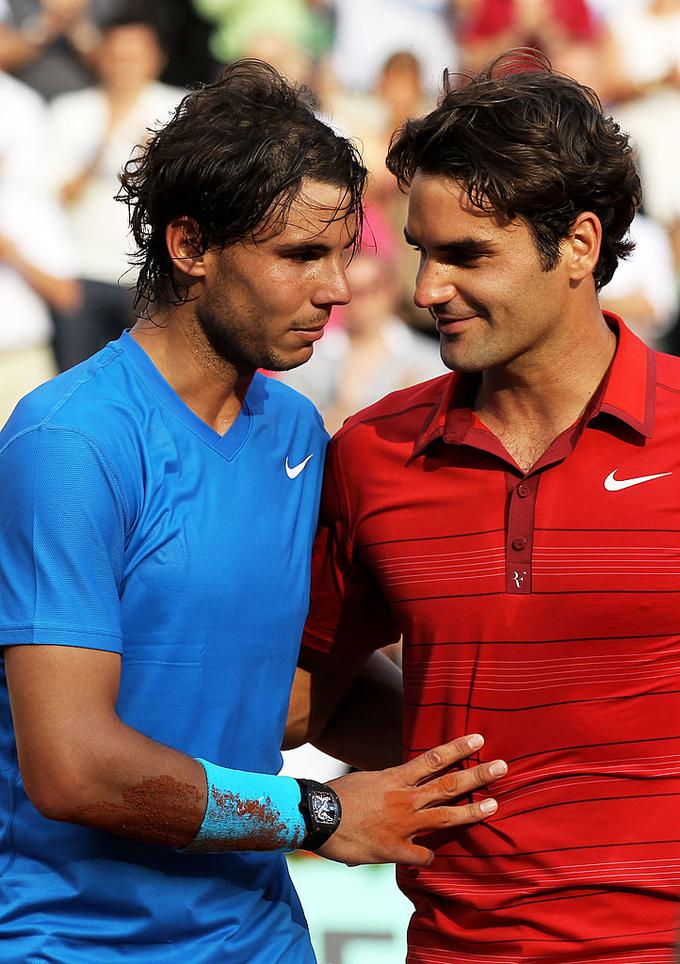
(379, 441)
(282, 401)
(78, 398)
(405, 409)
(88, 409)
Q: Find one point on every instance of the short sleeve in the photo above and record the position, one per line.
(347, 608)
(62, 536)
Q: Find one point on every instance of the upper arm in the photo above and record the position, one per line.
(353, 713)
(63, 702)
(321, 680)
(61, 559)
(62, 534)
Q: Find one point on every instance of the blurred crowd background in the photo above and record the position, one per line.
(83, 81)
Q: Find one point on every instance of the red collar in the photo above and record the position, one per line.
(626, 392)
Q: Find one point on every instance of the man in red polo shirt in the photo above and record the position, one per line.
(517, 522)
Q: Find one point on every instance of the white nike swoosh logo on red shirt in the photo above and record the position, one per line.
(293, 472)
(615, 485)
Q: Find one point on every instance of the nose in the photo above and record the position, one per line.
(335, 289)
(432, 286)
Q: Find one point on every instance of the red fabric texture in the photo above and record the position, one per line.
(542, 611)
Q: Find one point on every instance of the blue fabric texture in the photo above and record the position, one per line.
(128, 525)
(260, 807)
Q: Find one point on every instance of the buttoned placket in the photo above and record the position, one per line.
(519, 539)
(522, 492)
(629, 399)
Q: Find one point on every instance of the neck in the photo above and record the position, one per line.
(209, 385)
(532, 400)
(553, 383)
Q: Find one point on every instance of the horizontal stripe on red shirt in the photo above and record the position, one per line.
(542, 610)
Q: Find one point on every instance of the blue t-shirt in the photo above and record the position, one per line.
(128, 525)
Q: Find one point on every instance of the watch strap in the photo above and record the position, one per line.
(317, 834)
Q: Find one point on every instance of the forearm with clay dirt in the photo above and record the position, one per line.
(82, 764)
(155, 795)
(132, 786)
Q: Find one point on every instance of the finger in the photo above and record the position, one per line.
(439, 758)
(441, 818)
(407, 854)
(416, 856)
(458, 782)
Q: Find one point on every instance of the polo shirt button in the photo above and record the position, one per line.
(519, 543)
(522, 490)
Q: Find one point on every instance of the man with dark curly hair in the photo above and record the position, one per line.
(517, 521)
(156, 524)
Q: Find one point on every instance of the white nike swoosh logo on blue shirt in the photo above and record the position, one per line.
(294, 471)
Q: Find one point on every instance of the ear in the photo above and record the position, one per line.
(183, 241)
(582, 246)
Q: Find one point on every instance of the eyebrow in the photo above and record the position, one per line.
(466, 245)
(318, 247)
(292, 246)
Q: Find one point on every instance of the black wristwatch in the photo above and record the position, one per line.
(321, 810)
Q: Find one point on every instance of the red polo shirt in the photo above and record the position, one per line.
(542, 610)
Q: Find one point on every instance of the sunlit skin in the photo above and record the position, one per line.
(260, 303)
(537, 336)
(267, 302)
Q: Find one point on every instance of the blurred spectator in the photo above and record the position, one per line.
(487, 27)
(35, 263)
(569, 32)
(371, 353)
(648, 38)
(93, 134)
(239, 23)
(400, 87)
(643, 290)
(368, 31)
(372, 118)
(605, 8)
(290, 58)
(647, 33)
(49, 44)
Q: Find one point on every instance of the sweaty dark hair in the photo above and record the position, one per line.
(528, 143)
(232, 159)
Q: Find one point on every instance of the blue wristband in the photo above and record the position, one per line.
(248, 811)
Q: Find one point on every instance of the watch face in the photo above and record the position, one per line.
(323, 808)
